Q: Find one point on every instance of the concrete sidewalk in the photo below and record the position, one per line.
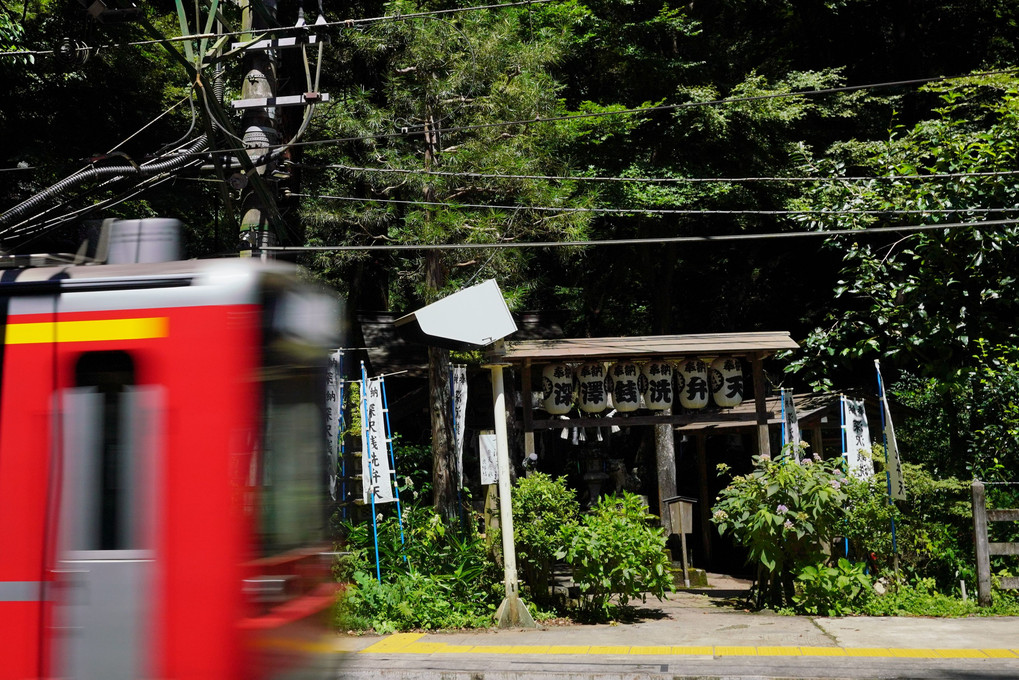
(700, 634)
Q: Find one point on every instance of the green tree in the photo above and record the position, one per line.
(444, 80)
(936, 302)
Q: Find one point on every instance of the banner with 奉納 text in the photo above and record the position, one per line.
(376, 474)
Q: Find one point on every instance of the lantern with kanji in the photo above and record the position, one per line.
(694, 378)
(657, 385)
(557, 389)
(625, 378)
(592, 394)
(726, 379)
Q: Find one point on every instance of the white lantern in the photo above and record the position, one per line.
(557, 389)
(592, 392)
(625, 386)
(694, 391)
(726, 380)
(657, 385)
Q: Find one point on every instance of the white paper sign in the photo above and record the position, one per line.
(489, 458)
(857, 438)
(376, 474)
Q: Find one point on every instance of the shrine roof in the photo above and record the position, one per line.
(643, 347)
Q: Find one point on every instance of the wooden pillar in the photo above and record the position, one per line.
(665, 455)
(982, 550)
(761, 408)
(704, 496)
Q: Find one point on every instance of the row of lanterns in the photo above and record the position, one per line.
(691, 382)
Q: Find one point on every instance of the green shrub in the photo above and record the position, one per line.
(933, 526)
(832, 591)
(787, 514)
(545, 513)
(438, 577)
(615, 551)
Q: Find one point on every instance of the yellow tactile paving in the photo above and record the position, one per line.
(867, 651)
(778, 651)
(993, 653)
(424, 647)
(410, 643)
(822, 651)
(492, 649)
(394, 643)
(651, 650)
(960, 653)
(914, 653)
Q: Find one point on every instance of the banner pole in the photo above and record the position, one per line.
(392, 464)
(888, 474)
(367, 454)
(456, 447)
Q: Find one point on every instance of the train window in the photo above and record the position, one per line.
(108, 476)
(293, 456)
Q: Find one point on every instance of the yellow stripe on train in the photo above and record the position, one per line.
(87, 331)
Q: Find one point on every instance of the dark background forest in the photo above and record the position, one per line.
(770, 165)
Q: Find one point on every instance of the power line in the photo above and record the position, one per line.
(306, 29)
(409, 131)
(661, 180)
(660, 211)
(646, 241)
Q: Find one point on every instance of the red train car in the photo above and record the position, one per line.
(162, 468)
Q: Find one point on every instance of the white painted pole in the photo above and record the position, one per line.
(512, 611)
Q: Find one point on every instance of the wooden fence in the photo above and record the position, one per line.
(984, 549)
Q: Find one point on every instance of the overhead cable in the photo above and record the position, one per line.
(263, 32)
(659, 180)
(664, 211)
(718, 238)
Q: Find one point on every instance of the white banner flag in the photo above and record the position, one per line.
(458, 380)
(489, 458)
(856, 436)
(893, 464)
(334, 402)
(375, 472)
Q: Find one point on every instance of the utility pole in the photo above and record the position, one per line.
(259, 125)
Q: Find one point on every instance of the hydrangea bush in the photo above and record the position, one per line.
(787, 514)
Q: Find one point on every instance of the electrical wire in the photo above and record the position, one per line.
(659, 180)
(662, 211)
(413, 132)
(263, 32)
(647, 241)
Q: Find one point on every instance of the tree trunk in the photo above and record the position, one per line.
(444, 481)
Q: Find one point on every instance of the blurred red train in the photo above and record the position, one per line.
(162, 469)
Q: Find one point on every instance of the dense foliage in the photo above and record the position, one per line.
(787, 512)
(477, 129)
(427, 575)
(617, 555)
(545, 515)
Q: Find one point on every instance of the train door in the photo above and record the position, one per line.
(105, 567)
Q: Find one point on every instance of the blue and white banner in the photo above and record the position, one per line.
(375, 471)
